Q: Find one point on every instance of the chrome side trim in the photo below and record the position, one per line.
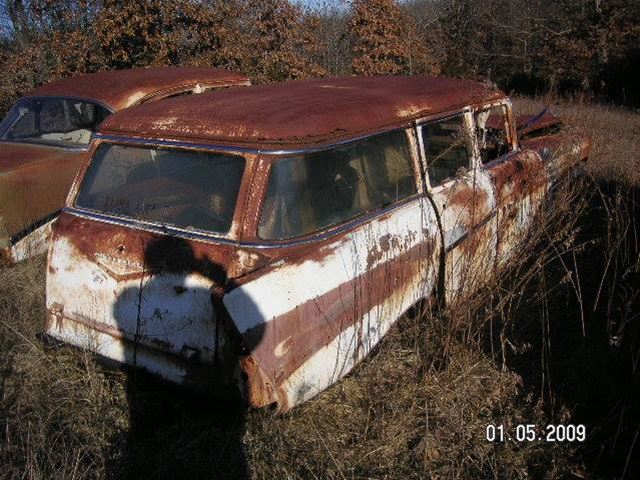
(81, 148)
(170, 143)
(204, 237)
(463, 237)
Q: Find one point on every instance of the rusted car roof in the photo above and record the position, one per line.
(120, 89)
(299, 112)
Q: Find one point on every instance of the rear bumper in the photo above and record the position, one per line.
(120, 351)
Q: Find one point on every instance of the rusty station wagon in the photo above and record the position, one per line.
(266, 239)
(45, 135)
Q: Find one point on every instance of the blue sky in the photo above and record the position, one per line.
(315, 3)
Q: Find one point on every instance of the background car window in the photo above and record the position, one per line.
(318, 190)
(54, 121)
(445, 147)
(166, 186)
(491, 131)
(25, 126)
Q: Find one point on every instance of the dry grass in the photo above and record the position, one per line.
(615, 132)
(59, 411)
(418, 407)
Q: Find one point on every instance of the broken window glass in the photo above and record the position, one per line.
(445, 147)
(491, 131)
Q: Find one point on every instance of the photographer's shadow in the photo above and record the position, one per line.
(178, 432)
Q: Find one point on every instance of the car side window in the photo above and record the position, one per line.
(445, 148)
(25, 125)
(321, 189)
(64, 121)
(492, 133)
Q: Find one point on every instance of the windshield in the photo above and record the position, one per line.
(182, 188)
(53, 121)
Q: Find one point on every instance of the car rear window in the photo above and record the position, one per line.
(317, 190)
(181, 188)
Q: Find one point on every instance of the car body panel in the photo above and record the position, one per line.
(34, 184)
(466, 210)
(142, 305)
(306, 335)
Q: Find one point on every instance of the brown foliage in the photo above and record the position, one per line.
(266, 39)
(278, 41)
(596, 34)
(564, 46)
(530, 46)
(386, 40)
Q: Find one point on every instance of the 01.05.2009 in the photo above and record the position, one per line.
(532, 433)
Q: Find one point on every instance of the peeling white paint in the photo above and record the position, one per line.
(279, 291)
(175, 315)
(36, 243)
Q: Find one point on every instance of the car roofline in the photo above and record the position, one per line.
(66, 97)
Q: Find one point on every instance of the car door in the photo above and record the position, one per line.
(519, 177)
(463, 196)
(335, 291)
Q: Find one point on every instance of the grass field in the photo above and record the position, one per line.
(553, 340)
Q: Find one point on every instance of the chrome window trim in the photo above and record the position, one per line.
(204, 236)
(239, 149)
(509, 128)
(212, 238)
(416, 178)
(68, 97)
(75, 192)
(150, 142)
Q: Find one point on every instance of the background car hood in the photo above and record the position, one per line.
(15, 155)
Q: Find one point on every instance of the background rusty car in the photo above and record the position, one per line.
(346, 202)
(46, 133)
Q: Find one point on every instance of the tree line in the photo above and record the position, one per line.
(531, 46)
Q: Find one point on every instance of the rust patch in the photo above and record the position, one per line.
(312, 325)
(16, 155)
(120, 89)
(34, 182)
(299, 113)
(517, 176)
(259, 391)
(122, 250)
